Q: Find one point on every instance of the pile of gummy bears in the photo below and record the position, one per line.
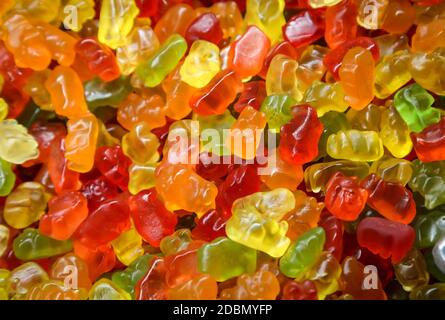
(328, 181)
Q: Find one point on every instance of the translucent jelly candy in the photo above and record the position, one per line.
(205, 27)
(344, 197)
(17, 145)
(299, 137)
(202, 287)
(304, 28)
(169, 181)
(355, 145)
(80, 142)
(429, 144)
(85, 12)
(256, 221)
(374, 233)
(247, 53)
(381, 195)
(266, 15)
(128, 278)
(414, 106)
(141, 107)
(201, 64)
(354, 277)
(391, 73)
(393, 170)
(100, 60)
(422, 63)
(428, 180)
(7, 178)
(29, 49)
(128, 246)
(224, 259)
(151, 219)
(65, 213)
(340, 21)
(185, 149)
(277, 109)
(140, 44)
(115, 213)
(66, 102)
(140, 144)
(217, 95)
(31, 245)
(317, 175)
(325, 97)
(162, 62)
(395, 133)
(175, 20)
(303, 253)
(25, 205)
(245, 133)
(104, 289)
(412, 272)
(357, 76)
(305, 215)
(4, 239)
(260, 285)
(282, 77)
(116, 21)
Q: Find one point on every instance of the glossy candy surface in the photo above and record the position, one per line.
(214, 149)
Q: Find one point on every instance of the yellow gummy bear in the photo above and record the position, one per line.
(282, 77)
(355, 145)
(266, 15)
(323, 3)
(16, 144)
(141, 177)
(4, 239)
(116, 21)
(395, 133)
(141, 145)
(43, 10)
(256, 223)
(25, 205)
(141, 43)
(3, 109)
(393, 170)
(201, 64)
(391, 73)
(128, 246)
(325, 97)
(316, 176)
(104, 289)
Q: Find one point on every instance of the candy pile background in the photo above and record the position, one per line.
(95, 206)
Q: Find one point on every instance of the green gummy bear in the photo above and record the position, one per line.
(429, 228)
(224, 259)
(414, 106)
(303, 253)
(163, 61)
(7, 178)
(31, 245)
(277, 109)
(428, 179)
(128, 278)
(99, 93)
